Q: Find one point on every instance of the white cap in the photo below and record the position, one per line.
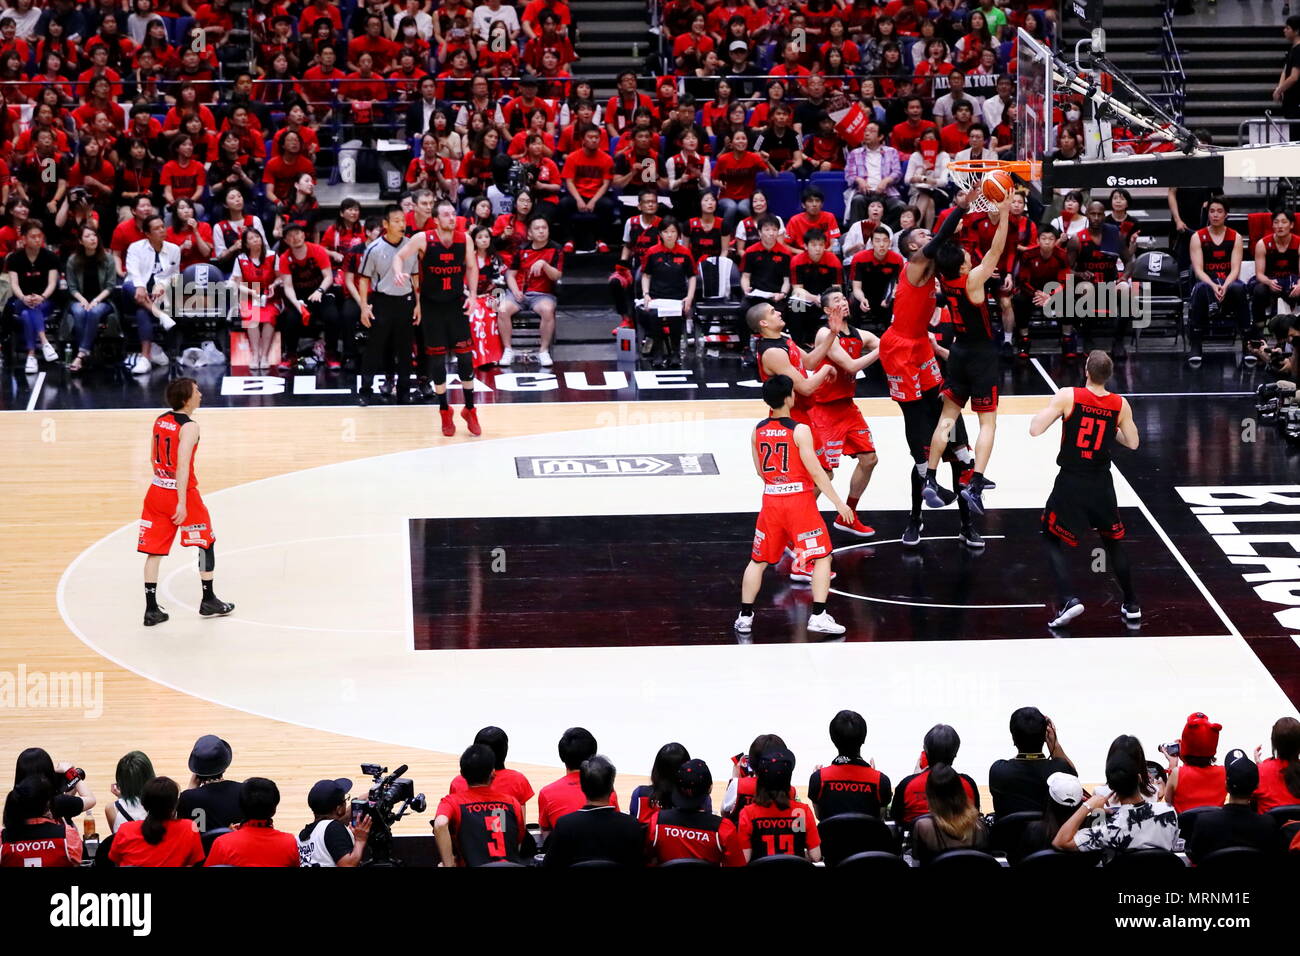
(1065, 789)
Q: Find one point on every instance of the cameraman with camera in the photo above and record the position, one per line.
(328, 840)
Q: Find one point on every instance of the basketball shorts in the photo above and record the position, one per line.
(445, 324)
(909, 366)
(157, 533)
(841, 429)
(972, 376)
(790, 520)
(804, 416)
(1079, 502)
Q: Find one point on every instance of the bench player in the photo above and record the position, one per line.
(785, 459)
(839, 423)
(448, 267)
(972, 372)
(175, 440)
(1083, 496)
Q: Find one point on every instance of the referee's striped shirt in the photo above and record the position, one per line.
(377, 266)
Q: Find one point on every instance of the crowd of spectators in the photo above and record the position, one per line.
(1187, 802)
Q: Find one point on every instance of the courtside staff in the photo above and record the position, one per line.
(388, 311)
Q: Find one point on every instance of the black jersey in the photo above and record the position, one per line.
(971, 321)
(1087, 432)
(442, 268)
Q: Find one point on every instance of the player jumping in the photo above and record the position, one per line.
(1084, 494)
(839, 422)
(972, 371)
(907, 357)
(448, 267)
(784, 457)
(175, 439)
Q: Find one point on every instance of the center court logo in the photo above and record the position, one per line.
(614, 466)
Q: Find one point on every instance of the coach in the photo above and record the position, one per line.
(387, 309)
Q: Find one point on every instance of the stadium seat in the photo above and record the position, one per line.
(714, 313)
(597, 865)
(964, 863)
(782, 191)
(786, 860)
(1233, 861)
(1049, 863)
(1187, 820)
(832, 184)
(209, 837)
(1148, 862)
(1008, 829)
(1284, 815)
(503, 864)
(887, 865)
(206, 302)
(847, 834)
(1158, 270)
(685, 861)
(1258, 225)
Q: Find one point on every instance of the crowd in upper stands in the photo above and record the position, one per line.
(222, 120)
(1187, 801)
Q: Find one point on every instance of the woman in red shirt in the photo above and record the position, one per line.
(1279, 775)
(498, 52)
(475, 172)
(296, 120)
(511, 229)
(159, 839)
(92, 171)
(183, 177)
(255, 278)
(736, 171)
(976, 39)
(187, 104)
(56, 41)
(193, 237)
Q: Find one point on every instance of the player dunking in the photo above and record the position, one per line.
(839, 422)
(786, 461)
(175, 440)
(448, 267)
(972, 372)
(1084, 494)
(907, 357)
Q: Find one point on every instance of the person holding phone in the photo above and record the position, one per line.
(1133, 823)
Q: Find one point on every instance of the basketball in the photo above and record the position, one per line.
(997, 185)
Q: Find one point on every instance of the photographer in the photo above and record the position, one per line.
(1280, 358)
(65, 802)
(328, 840)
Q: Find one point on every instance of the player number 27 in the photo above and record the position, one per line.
(767, 450)
(1085, 437)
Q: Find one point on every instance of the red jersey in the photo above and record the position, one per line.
(507, 781)
(1272, 790)
(913, 308)
(1036, 272)
(640, 236)
(911, 802)
(442, 267)
(588, 172)
(971, 321)
(1098, 259)
(306, 274)
(281, 173)
(486, 825)
(800, 223)
(675, 834)
(778, 456)
(562, 797)
(1086, 433)
(704, 242)
(738, 174)
(522, 263)
(769, 831)
(842, 385)
(977, 231)
(166, 446)
(1280, 262)
(876, 275)
(40, 842)
(848, 786)
(1216, 257)
(254, 843)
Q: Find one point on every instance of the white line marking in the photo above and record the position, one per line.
(1047, 378)
(36, 392)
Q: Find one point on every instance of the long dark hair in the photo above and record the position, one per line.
(34, 761)
(1131, 747)
(29, 799)
(159, 802)
(1286, 746)
(950, 807)
(79, 258)
(663, 775)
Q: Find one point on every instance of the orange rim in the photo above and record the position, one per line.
(1025, 169)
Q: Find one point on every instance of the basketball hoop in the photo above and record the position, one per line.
(966, 174)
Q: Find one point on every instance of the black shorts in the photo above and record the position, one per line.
(445, 324)
(972, 375)
(1079, 502)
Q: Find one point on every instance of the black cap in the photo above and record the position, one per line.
(210, 757)
(1242, 776)
(527, 80)
(325, 795)
(775, 769)
(291, 226)
(692, 786)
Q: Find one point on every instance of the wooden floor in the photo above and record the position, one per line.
(72, 477)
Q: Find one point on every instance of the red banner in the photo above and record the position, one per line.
(851, 124)
(485, 338)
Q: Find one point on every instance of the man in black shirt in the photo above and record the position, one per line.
(1020, 784)
(1287, 91)
(1235, 823)
(598, 831)
(212, 801)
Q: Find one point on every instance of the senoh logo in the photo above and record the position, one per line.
(1131, 181)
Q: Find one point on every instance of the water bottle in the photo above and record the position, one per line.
(89, 839)
(67, 353)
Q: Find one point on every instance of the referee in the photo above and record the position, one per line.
(390, 316)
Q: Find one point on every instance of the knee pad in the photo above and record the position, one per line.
(208, 559)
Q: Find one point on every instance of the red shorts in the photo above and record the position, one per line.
(805, 416)
(156, 529)
(909, 366)
(791, 520)
(842, 429)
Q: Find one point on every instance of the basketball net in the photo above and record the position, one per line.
(966, 174)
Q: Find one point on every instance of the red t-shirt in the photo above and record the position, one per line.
(190, 254)
(281, 173)
(306, 273)
(510, 782)
(255, 843)
(588, 172)
(800, 223)
(738, 173)
(180, 846)
(1200, 787)
(125, 233)
(562, 797)
(769, 831)
(1272, 791)
(183, 179)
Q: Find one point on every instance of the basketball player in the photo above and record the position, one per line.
(907, 357)
(972, 372)
(175, 439)
(786, 461)
(448, 268)
(1084, 494)
(839, 422)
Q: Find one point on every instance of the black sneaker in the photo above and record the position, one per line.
(1194, 358)
(1007, 350)
(155, 617)
(973, 497)
(426, 391)
(1072, 609)
(972, 538)
(1022, 349)
(912, 535)
(363, 399)
(935, 495)
(215, 608)
(1131, 612)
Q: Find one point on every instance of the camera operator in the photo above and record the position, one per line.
(1281, 358)
(328, 840)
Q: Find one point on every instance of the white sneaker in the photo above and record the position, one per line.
(744, 623)
(806, 576)
(50, 352)
(142, 366)
(823, 623)
(544, 359)
(159, 358)
(31, 365)
(507, 357)
(166, 321)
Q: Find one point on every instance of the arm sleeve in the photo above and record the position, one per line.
(950, 224)
(338, 840)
